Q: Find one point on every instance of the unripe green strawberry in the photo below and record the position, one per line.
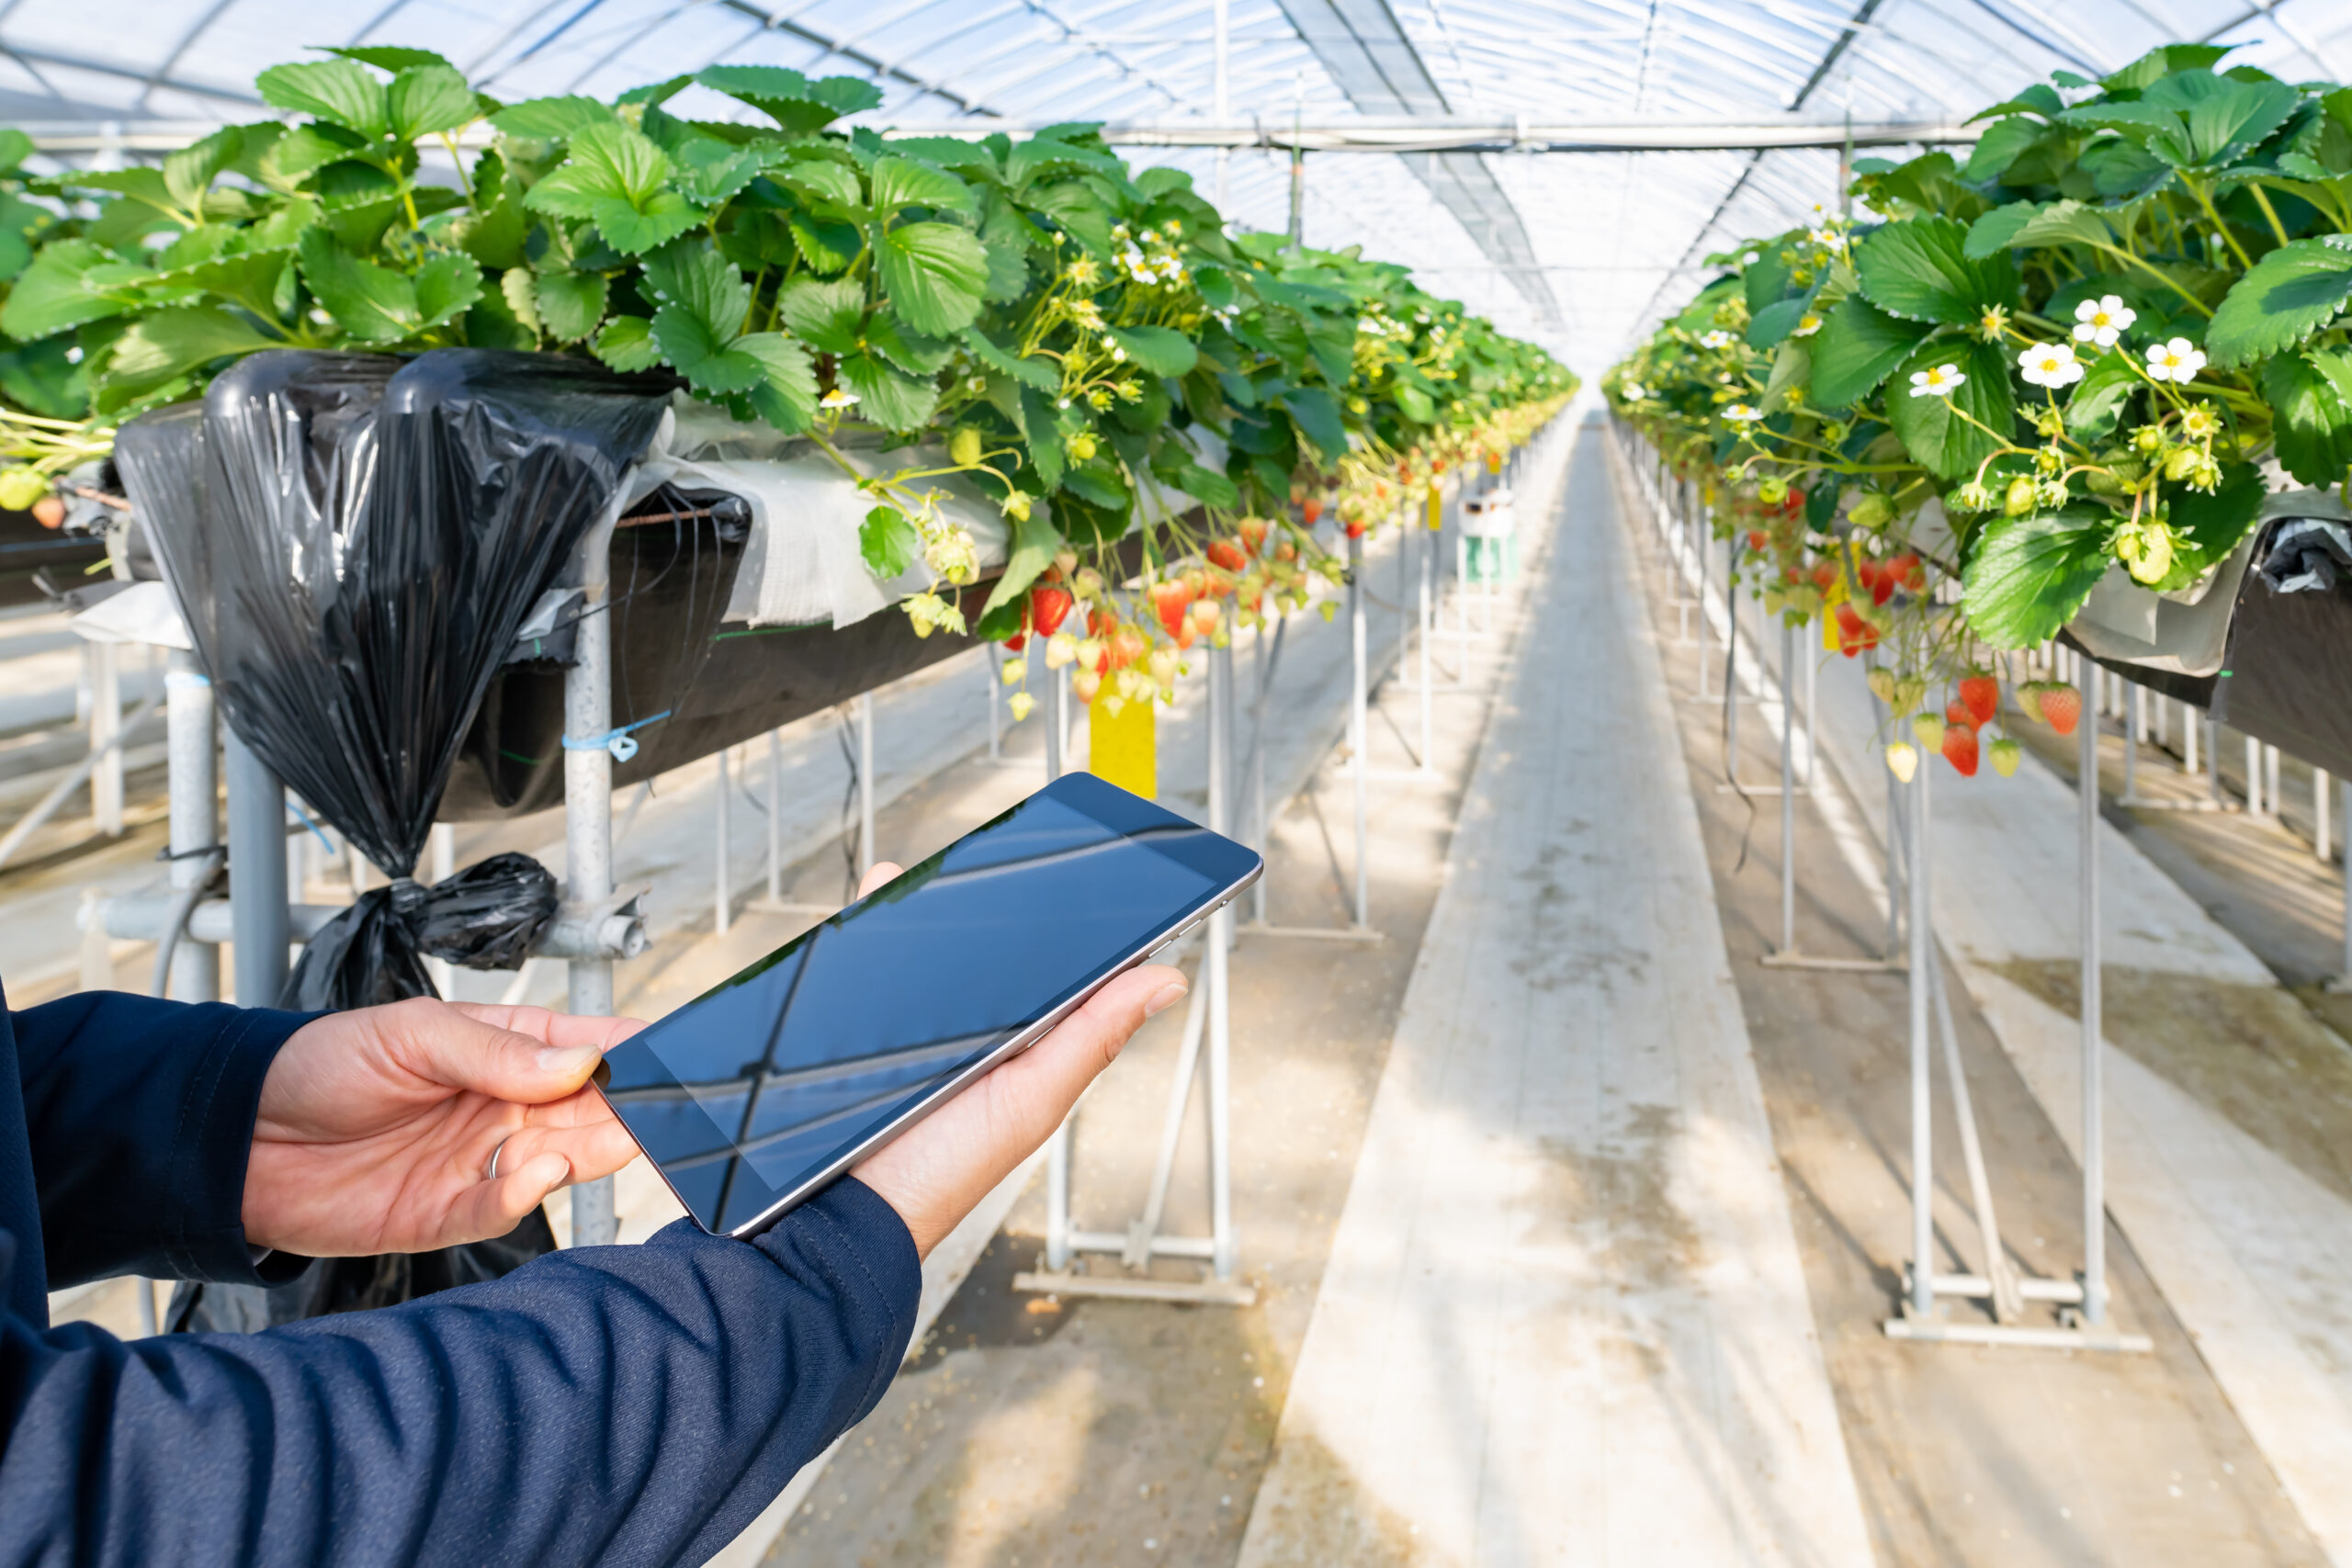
(2005, 754)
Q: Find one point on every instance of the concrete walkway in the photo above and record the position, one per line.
(1565, 1320)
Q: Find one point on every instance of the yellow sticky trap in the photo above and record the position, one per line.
(1124, 748)
(1437, 508)
(1494, 462)
(1831, 597)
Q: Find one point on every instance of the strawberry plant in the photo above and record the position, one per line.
(1083, 341)
(2076, 352)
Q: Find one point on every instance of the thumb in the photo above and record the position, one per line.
(450, 1046)
(1057, 1068)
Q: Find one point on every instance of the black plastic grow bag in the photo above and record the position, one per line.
(353, 541)
(2288, 678)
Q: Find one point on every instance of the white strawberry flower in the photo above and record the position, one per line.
(1632, 391)
(2178, 360)
(1717, 339)
(838, 398)
(2050, 364)
(2103, 320)
(1807, 324)
(1936, 381)
(1743, 413)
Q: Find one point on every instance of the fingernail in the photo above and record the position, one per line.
(1168, 995)
(568, 1061)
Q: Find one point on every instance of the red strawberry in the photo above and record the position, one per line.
(2062, 707)
(1983, 696)
(1048, 608)
(1824, 576)
(1854, 634)
(1126, 647)
(1355, 530)
(1960, 749)
(1311, 509)
(1253, 531)
(1101, 622)
(1957, 712)
(1169, 602)
(1016, 642)
(1795, 503)
(1908, 572)
(1792, 576)
(1758, 538)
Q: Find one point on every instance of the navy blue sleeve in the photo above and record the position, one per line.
(617, 1404)
(140, 1116)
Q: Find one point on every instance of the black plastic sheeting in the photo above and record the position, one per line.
(2288, 678)
(488, 916)
(353, 541)
(719, 684)
(355, 538)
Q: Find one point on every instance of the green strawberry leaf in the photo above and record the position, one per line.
(1856, 348)
(695, 277)
(2031, 575)
(789, 98)
(447, 286)
(885, 397)
(518, 293)
(389, 56)
(910, 351)
(827, 247)
(627, 345)
(426, 100)
(1163, 351)
(1317, 415)
(1207, 485)
(1031, 372)
(615, 178)
(1035, 544)
(570, 304)
(827, 183)
(552, 120)
(1041, 428)
(1098, 483)
(2311, 416)
(169, 344)
(935, 272)
(902, 182)
(189, 172)
(342, 91)
(1945, 444)
(2097, 403)
(888, 542)
(1919, 269)
(2291, 294)
(825, 315)
(785, 395)
(70, 282)
(373, 303)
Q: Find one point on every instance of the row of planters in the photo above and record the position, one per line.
(370, 372)
(1084, 341)
(2091, 381)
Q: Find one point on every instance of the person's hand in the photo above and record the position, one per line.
(938, 1170)
(377, 1126)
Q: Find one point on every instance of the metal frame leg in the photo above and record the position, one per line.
(259, 921)
(776, 817)
(193, 745)
(1359, 732)
(1922, 1300)
(2094, 1148)
(866, 856)
(588, 832)
(105, 738)
(1217, 963)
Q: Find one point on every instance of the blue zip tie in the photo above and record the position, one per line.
(291, 805)
(617, 741)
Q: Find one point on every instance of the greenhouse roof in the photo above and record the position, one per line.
(1662, 101)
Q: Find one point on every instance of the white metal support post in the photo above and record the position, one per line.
(104, 663)
(588, 827)
(1359, 732)
(1207, 1020)
(2082, 1317)
(722, 851)
(192, 743)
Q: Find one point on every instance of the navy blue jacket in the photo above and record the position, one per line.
(622, 1405)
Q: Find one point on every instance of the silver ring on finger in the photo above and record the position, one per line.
(493, 1156)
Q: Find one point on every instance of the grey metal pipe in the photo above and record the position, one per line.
(588, 825)
(1923, 1168)
(192, 749)
(2094, 1152)
(259, 907)
(1217, 959)
(1360, 730)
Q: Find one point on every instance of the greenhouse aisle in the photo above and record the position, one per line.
(1564, 1318)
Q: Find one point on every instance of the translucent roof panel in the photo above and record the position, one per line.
(1580, 250)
